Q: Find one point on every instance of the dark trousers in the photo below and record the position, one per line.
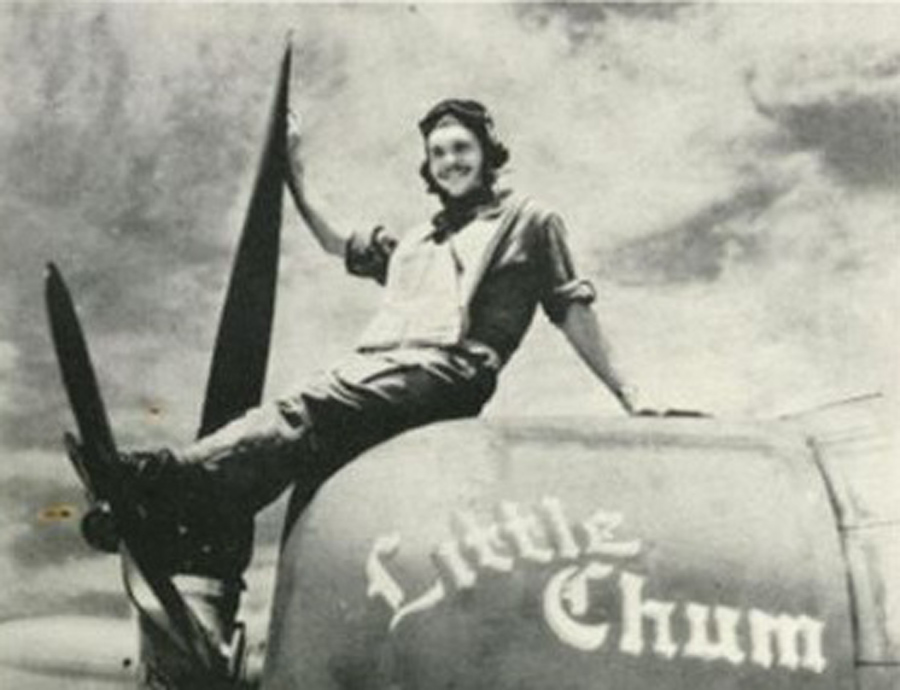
(304, 438)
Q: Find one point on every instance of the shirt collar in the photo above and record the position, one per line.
(487, 205)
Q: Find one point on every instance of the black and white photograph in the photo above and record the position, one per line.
(432, 346)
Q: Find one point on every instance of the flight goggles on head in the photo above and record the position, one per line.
(471, 114)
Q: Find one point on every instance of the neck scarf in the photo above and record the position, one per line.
(459, 212)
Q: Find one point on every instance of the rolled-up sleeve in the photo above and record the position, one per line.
(562, 286)
(367, 254)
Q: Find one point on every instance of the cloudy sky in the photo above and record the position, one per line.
(728, 173)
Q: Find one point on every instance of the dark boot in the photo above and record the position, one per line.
(186, 521)
(209, 492)
(163, 487)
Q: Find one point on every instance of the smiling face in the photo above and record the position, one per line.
(455, 159)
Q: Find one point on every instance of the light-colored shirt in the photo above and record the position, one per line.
(430, 282)
(506, 273)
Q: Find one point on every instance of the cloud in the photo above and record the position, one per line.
(640, 124)
(8, 357)
(700, 247)
(9, 361)
(845, 103)
(38, 543)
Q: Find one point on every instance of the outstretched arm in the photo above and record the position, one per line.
(329, 238)
(583, 332)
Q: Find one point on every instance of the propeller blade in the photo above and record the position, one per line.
(74, 360)
(241, 351)
(101, 455)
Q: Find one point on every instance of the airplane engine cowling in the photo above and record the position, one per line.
(567, 554)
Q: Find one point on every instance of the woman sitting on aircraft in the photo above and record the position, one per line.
(460, 293)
